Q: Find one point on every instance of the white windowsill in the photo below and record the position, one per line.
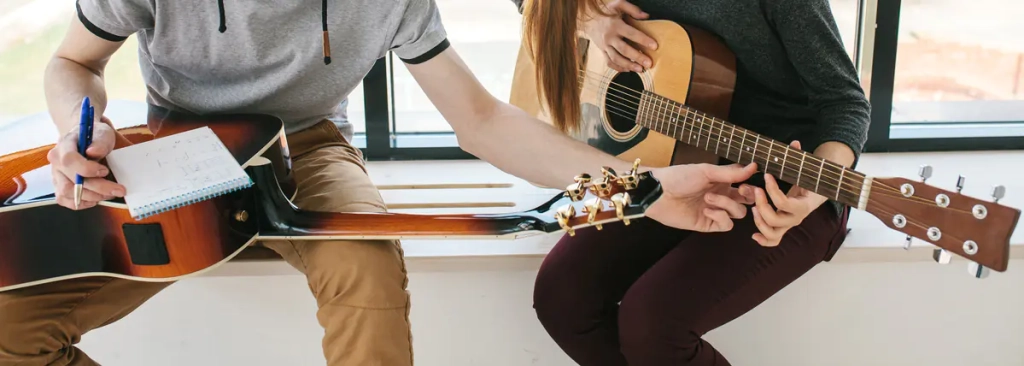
(869, 241)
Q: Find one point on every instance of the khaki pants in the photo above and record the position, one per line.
(359, 286)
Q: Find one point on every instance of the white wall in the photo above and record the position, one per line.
(875, 304)
(477, 312)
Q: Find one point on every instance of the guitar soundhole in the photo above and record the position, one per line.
(622, 100)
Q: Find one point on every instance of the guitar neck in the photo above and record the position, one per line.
(743, 146)
(306, 225)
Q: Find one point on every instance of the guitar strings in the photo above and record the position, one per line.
(884, 190)
(732, 144)
(846, 184)
(881, 208)
(632, 103)
(624, 114)
(883, 187)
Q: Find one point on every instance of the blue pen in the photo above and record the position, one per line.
(84, 140)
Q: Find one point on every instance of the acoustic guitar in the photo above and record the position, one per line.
(43, 242)
(675, 111)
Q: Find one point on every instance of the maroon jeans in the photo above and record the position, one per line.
(645, 294)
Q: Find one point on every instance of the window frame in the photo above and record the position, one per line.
(885, 47)
(874, 53)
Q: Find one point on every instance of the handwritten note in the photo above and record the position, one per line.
(175, 170)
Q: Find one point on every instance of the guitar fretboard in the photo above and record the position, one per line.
(743, 146)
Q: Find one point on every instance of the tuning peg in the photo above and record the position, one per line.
(908, 242)
(602, 187)
(959, 183)
(609, 173)
(925, 172)
(592, 207)
(977, 270)
(563, 214)
(621, 200)
(630, 179)
(577, 191)
(941, 256)
(998, 192)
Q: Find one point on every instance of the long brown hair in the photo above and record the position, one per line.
(550, 30)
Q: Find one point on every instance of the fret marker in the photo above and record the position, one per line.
(776, 159)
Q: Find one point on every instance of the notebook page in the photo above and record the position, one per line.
(175, 170)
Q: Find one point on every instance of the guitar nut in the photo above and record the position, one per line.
(942, 200)
(970, 247)
(934, 233)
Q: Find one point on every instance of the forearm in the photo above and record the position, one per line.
(836, 152)
(65, 83)
(530, 149)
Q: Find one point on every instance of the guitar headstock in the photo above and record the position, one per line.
(595, 201)
(974, 229)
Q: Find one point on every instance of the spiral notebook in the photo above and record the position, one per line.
(174, 171)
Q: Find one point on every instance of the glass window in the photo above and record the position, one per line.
(845, 13)
(966, 69)
(486, 34)
(24, 57)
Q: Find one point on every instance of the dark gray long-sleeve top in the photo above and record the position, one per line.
(794, 79)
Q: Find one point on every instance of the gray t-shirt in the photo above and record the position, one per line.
(222, 56)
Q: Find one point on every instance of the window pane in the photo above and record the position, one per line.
(969, 67)
(845, 12)
(33, 33)
(486, 34)
(24, 55)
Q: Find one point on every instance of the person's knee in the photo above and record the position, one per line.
(25, 342)
(366, 274)
(649, 328)
(561, 303)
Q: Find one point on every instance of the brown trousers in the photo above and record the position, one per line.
(359, 286)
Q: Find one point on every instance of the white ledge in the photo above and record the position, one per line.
(441, 185)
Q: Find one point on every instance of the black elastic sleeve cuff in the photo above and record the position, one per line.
(426, 56)
(96, 30)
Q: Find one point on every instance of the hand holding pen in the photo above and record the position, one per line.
(84, 140)
(78, 176)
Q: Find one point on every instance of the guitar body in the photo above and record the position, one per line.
(691, 66)
(46, 242)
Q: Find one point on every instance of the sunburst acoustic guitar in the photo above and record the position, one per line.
(675, 112)
(42, 242)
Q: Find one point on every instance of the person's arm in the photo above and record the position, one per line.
(696, 196)
(811, 38)
(98, 29)
(75, 71)
(502, 134)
